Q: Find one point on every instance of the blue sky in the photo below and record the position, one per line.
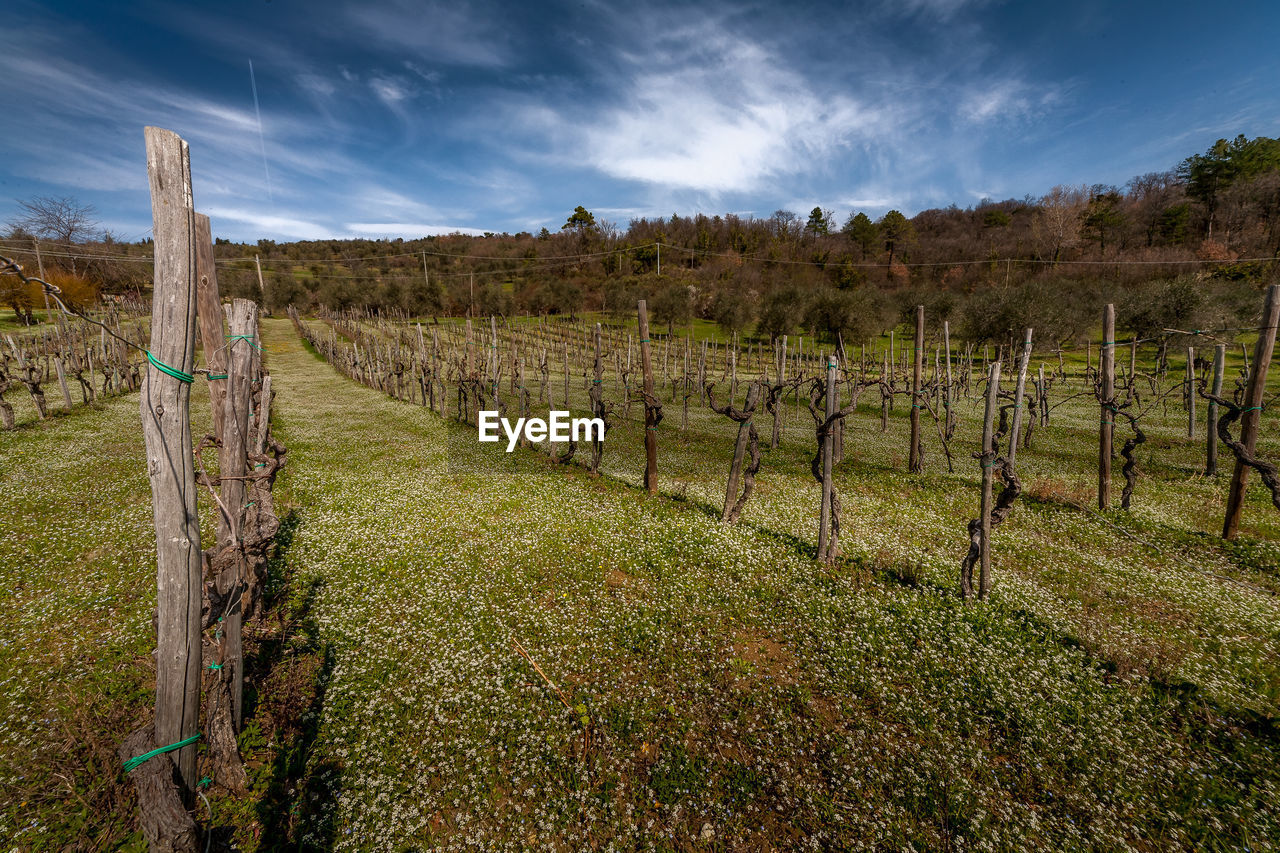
(398, 118)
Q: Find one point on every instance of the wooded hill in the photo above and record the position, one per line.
(1188, 246)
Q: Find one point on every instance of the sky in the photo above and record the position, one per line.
(391, 118)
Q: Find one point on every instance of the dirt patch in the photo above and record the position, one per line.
(766, 656)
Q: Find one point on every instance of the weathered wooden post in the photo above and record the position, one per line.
(166, 429)
(1108, 405)
(209, 314)
(1019, 389)
(62, 382)
(948, 398)
(650, 409)
(777, 409)
(1042, 398)
(914, 463)
(828, 447)
(1191, 392)
(988, 474)
(886, 393)
(233, 466)
(1219, 367)
(1262, 352)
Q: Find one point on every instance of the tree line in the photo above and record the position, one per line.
(1189, 237)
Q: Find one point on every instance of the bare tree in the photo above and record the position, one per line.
(1057, 222)
(63, 219)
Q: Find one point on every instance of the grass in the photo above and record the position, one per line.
(724, 691)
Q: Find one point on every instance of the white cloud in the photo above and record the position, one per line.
(300, 229)
(725, 123)
(438, 31)
(1003, 100)
(390, 90)
(407, 230)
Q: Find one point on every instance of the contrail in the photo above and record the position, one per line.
(262, 144)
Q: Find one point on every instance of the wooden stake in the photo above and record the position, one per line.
(233, 465)
(988, 474)
(1191, 392)
(209, 314)
(1211, 450)
(914, 464)
(828, 447)
(650, 427)
(1262, 352)
(1019, 390)
(166, 429)
(1106, 424)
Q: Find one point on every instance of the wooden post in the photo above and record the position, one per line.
(232, 463)
(1262, 352)
(166, 429)
(209, 313)
(262, 290)
(650, 428)
(1219, 367)
(777, 408)
(947, 398)
(988, 475)
(914, 464)
(1043, 398)
(828, 447)
(62, 381)
(1106, 424)
(1191, 392)
(1019, 389)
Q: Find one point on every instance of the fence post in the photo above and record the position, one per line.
(1020, 388)
(209, 314)
(989, 453)
(62, 381)
(914, 464)
(777, 408)
(166, 429)
(232, 464)
(828, 446)
(1191, 392)
(1219, 367)
(1108, 404)
(650, 425)
(1262, 352)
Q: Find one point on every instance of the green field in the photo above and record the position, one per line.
(721, 690)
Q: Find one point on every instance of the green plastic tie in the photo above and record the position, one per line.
(1251, 409)
(171, 371)
(216, 376)
(248, 338)
(215, 666)
(203, 782)
(138, 761)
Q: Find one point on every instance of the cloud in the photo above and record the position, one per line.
(1005, 100)
(300, 229)
(407, 230)
(719, 123)
(390, 90)
(437, 31)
